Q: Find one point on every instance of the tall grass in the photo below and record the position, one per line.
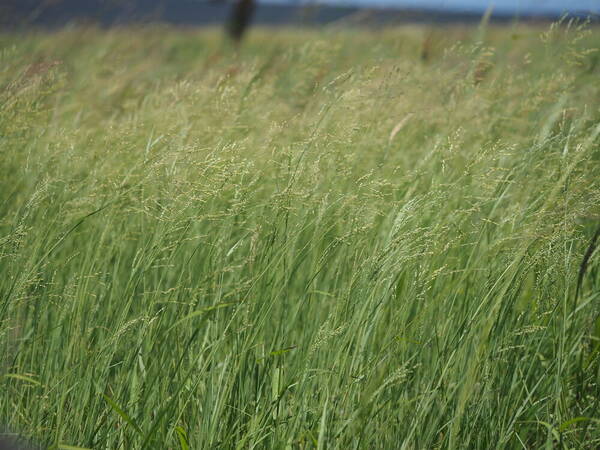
(325, 240)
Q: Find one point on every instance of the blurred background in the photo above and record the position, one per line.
(53, 13)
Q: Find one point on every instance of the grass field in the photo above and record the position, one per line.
(327, 239)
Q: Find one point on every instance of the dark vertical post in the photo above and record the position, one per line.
(240, 18)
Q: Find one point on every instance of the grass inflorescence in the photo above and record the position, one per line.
(322, 240)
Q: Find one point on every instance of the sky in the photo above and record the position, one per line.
(501, 6)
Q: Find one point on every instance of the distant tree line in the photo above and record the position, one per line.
(18, 13)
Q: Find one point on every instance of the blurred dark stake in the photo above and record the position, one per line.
(240, 18)
(426, 46)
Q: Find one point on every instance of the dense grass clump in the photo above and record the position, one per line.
(328, 239)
